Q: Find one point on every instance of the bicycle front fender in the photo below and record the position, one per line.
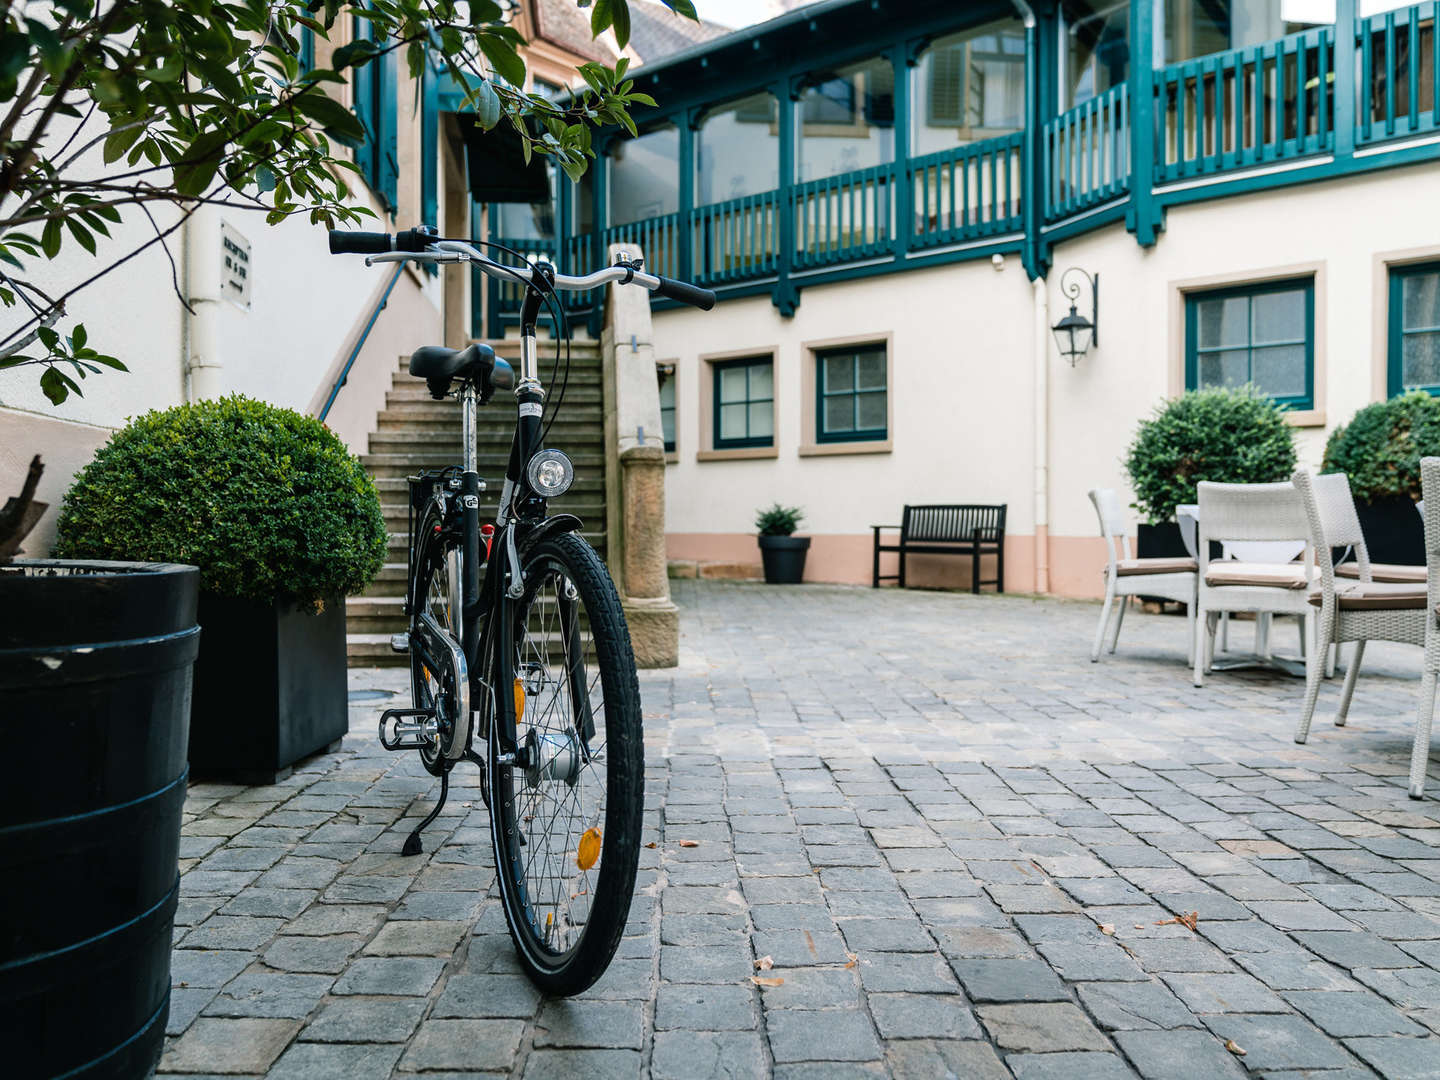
(544, 530)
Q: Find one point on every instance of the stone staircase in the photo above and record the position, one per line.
(416, 433)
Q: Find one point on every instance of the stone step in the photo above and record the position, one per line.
(398, 543)
(586, 509)
(409, 403)
(397, 466)
(372, 650)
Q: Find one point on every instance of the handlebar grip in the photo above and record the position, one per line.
(686, 293)
(344, 242)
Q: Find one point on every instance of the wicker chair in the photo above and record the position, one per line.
(1249, 512)
(1420, 750)
(1357, 610)
(1173, 579)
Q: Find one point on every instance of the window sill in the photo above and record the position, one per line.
(738, 454)
(1305, 418)
(865, 446)
(671, 457)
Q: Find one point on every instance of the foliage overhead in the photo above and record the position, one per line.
(268, 503)
(779, 520)
(194, 102)
(1381, 447)
(1228, 436)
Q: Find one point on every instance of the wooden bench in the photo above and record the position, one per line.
(947, 530)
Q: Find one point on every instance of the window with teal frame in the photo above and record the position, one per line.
(374, 86)
(1260, 334)
(850, 394)
(744, 402)
(1414, 323)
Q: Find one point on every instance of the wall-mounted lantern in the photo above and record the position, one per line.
(1074, 334)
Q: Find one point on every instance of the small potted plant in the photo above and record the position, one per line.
(1379, 450)
(1228, 436)
(283, 523)
(782, 553)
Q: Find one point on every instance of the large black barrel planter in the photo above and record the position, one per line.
(783, 558)
(1394, 530)
(270, 687)
(95, 666)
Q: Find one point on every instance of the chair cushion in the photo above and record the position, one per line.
(1389, 572)
(1289, 575)
(1137, 567)
(1377, 596)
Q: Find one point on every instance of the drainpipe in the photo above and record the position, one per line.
(203, 260)
(1041, 349)
(1030, 161)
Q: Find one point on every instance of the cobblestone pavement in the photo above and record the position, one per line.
(961, 845)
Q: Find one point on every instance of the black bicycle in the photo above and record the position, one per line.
(519, 654)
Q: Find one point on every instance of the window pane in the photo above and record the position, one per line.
(1421, 301)
(667, 394)
(1097, 47)
(761, 382)
(732, 422)
(839, 414)
(1420, 357)
(839, 373)
(872, 370)
(732, 384)
(645, 176)
(1222, 322)
(1280, 370)
(847, 120)
(737, 150)
(970, 86)
(762, 420)
(1225, 368)
(1277, 317)
(872, 410)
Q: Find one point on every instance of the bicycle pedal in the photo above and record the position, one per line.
(400, 643)
(408, 729)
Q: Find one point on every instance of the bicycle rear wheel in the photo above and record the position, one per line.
(565, 820)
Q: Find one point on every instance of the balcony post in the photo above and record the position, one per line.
(785, 296)
(902, 61)
(684, 223)
(1342, 116)
(1144, 216)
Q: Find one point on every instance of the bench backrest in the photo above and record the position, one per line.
(951, 523)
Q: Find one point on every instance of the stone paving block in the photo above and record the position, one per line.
(297, 952)
(1355, 949)
(328, 919)
(1399, 1059)
(813, 988)
(402, 976)
(923, 1016)
(487, 996)
(466, 1045)
(207, 968)
(1041, 1028)
(1007, 980)
(185, 1005)
(591, 1064)
(575, 1022)
(1177, 954)
(1410, 988)
(361, 1019)
(691, 1055)
(1289, 971)
(1284, 1041)
(813, 917)
(1224, 993)
(828, 1035)
(335, 1061)
(1301, 915)
(885, 935)
(280, 903)
(401, 937)
(245, 1045)
(439, 906)
(927, 1059)
(231, 932)
(1182, 1054)
(917, 973)
(1067, 1066)
(706, 964)
(1133, 1006)
(268, 994)
(1347, 1014)
(705, 1008)
(1091, 963)
(801, 948)
(365, 889)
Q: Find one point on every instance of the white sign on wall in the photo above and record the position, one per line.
(235, 267)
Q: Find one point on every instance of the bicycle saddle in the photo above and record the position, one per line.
(438, 362)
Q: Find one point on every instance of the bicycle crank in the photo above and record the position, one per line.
(408, 729)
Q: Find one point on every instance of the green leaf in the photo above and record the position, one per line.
(485, 11)
(83, 235)
(504, 60)
(78, 336)
(118, 142)
(487, 105)
(200, 162)
(682, 7)
(359, 51)
(50, 238)
(334, 118)
(265, 178)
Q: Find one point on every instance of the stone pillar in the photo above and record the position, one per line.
(635, 462)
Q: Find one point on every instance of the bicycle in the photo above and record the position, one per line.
(518, 644)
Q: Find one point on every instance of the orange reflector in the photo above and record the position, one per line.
(589, 849)
(519, 700)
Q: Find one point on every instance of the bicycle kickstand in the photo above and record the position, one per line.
(412, 842)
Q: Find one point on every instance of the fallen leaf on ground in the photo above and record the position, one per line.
(765, 963)
(1187, 921)
(651, 844)
(1233, 1048)
(1108, 929)
(852, 961)
(689, 843)
(758, 981)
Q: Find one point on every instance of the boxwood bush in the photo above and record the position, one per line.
(1381, 447)
(1229, 436)
(268, 503)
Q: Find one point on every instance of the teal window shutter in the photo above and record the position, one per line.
(850, 394)
(1260, 334)
(744, 402)
(362, 84)
(375, 90)
(1414, 329)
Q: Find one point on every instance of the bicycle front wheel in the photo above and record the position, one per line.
(565, 818)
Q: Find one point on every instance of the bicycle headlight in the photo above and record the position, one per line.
(550, 474)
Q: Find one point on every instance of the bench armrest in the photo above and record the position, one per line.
(877, 528)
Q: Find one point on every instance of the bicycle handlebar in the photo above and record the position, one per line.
(423, 245)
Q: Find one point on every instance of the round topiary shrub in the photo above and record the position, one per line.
(268, 504)
(1381, 447)
(1229, 436)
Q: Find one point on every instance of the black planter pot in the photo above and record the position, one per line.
(1159, 541)
(269, 687)
(1394, 530)
(784, 558)
(95, 667)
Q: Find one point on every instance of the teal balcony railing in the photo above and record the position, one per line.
(1357, 95)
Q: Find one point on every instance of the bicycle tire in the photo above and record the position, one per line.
(518, 844)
